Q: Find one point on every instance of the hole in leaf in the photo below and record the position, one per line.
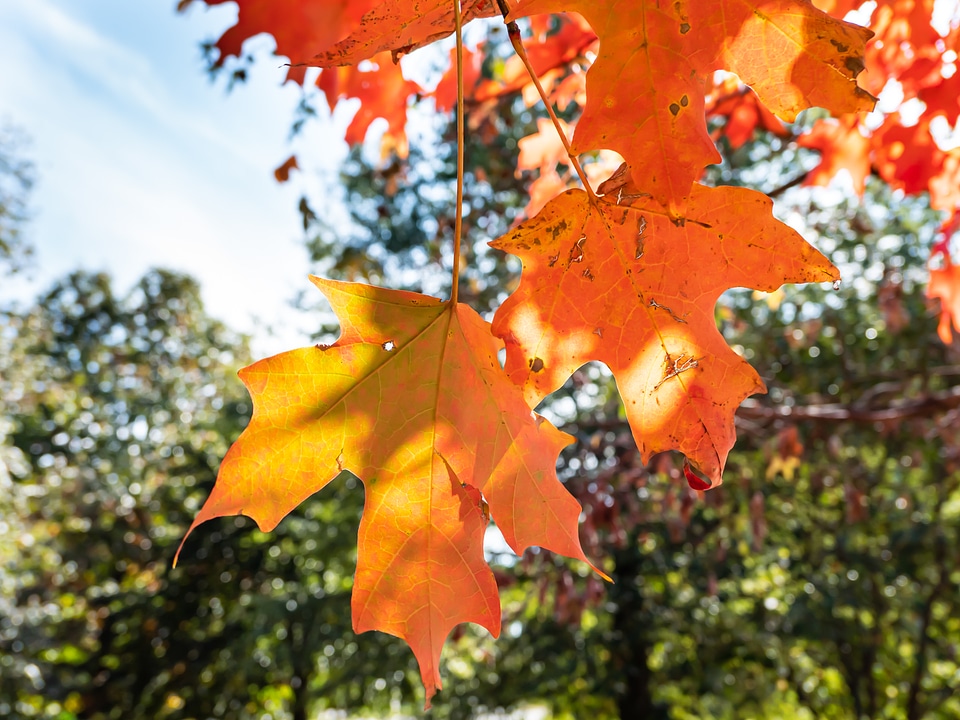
(389, 345)
(576, 253)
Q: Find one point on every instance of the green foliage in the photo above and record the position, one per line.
(16, 180)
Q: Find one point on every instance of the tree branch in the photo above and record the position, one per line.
(786, 186)
(924, 405)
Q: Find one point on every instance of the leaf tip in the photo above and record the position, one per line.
(694, 480)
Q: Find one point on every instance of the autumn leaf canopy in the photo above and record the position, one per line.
(412, 398)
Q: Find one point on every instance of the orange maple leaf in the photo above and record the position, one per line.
(945, 286)
(909, 49)
(745, 115)
(550, 50)
(400, 27)
(325, 33)
(301, 28)
(411, 399)
(620, 281)
(543, 151)
(445, 94)
(645, 91)
(383, 92)
(792, 55)
(842, 146)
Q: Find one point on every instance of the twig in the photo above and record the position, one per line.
(921, 406)
(786, 186)
(513, 32)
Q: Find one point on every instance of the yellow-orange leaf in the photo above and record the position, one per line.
(619, 281)
(412, 400)
(793, 55)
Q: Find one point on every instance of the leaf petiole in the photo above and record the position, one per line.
(458, 224)
(513, 32)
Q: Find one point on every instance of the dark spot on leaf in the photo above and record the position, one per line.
(854, 65)
(839, 45)
(684, 101)
(674, 109)
(536, 365)
(684, 28)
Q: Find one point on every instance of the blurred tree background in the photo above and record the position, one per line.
(822, 580)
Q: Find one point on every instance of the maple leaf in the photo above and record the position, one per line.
(400, 27)
(645, 95)
(842, 146)
(412, 400)
(301, 28)
(543, 151)
(551, 49)
(445, 94)
(325, 33)
(282, 173)
(618, 280)
(909, 49)
(792, 55)
(908, 158)
(945, 287)
(745, 114)
(382, 91)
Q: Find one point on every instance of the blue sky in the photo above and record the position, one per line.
(143, 161)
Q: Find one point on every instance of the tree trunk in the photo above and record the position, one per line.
(631, 645)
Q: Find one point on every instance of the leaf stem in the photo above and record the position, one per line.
(513, 32)
(458, 225)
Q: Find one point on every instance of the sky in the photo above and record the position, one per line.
(143, 161)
